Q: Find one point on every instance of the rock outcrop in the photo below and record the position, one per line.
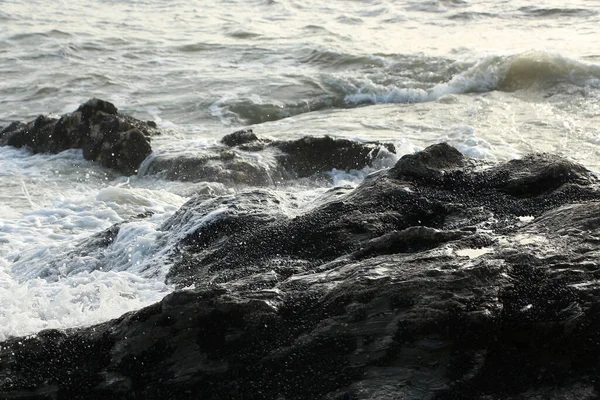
(249, 159)
(115, 140)
(441, 278)
(122, 143)
(310, 155)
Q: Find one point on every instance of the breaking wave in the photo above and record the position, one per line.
(379, 80)
(532, 70)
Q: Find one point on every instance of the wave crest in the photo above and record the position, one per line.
(413, 80)
(531, 70)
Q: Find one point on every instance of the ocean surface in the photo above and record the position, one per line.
(496, 79)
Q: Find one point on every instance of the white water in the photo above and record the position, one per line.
(57, 202)
(495, 79)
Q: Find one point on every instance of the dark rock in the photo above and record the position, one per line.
(16, 134)
(310, 155)
(93, 106)
(125, 151)
(116, 141)
(409, 240)
(430, 164)
(11, 129)
(383, 210)
(279, 161)
(238, 138)
(245, 140)
(379, 293)
(536, 174)
(66, 133)
(224, 166)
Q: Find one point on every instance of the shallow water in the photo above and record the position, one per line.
(495, 79)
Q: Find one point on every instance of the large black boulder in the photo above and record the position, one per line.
(441, 278)
(115, 140)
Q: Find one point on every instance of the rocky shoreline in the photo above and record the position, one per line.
(122, 143)
(443, 277)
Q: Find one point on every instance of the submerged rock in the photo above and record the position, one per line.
(221, 166)
(115, 140)
(425, 282)
(257, 161)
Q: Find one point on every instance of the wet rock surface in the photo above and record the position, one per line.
(249, 159)
(115, 140)
(122, 143)
(310, 155)
(441, 278)
(223, 166)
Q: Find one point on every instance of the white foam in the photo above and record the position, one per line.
(464, 139)
(126, 200)
(474, 253)
(73, 301)
(73, 218)
(489, 73)
(484, 76)
(51, 206)
(46, 282)
(526, 218)
(347, 178)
